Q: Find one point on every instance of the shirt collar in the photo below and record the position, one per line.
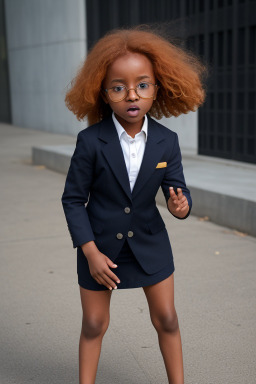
(121, 130)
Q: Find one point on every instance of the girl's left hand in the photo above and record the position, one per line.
(178, 204)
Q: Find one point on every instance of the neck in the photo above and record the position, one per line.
(131, 128)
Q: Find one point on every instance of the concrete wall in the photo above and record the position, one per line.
(186, 127)
(46, 43)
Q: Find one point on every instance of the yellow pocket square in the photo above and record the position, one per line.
(162, 165)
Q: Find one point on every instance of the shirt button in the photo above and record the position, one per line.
(119, 236)
(133, 155)
(130, 234)
(127, 210)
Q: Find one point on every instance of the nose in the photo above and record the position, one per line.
(131, 95)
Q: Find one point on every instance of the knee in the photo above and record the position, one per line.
(93, 327)
(166, 322)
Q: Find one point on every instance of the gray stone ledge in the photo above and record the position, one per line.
(224, 201)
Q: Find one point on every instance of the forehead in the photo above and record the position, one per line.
(130, 64)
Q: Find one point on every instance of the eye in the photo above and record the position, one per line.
(143, 86)
(118, 88)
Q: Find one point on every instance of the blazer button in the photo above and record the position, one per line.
(127, 210)
(130, 234)
(119, 236)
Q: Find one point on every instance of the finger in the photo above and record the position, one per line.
(109, 280)
(111, 263)
(184, 205)
(172, 193)
(180, 194)
(183, 199)
(175, 202)
(113, 276)
(111, 273)
(174, 198)
(101, 280)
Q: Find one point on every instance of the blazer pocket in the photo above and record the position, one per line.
(162, 165)
(156, 225)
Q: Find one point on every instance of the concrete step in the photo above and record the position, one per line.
(223, 191)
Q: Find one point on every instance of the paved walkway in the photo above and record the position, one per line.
(40, 305)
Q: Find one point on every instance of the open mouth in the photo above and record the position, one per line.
(133, 109)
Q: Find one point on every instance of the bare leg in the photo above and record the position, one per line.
(95, 305)
(163, 315)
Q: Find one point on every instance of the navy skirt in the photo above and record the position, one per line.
(129, 271)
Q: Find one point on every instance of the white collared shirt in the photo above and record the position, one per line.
(133, 148)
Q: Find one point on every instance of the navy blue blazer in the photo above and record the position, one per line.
(98, 202)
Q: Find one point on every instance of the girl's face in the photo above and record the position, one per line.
(130, 70)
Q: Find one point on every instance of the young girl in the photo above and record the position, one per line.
(118, 165)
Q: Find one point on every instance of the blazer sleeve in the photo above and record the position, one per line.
(76, 192)
(174, 176)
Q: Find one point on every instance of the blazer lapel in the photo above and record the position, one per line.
(114, 155)
(153, 153)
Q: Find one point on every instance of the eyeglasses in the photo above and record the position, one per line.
(144, 90)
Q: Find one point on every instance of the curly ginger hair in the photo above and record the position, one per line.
(178, 72)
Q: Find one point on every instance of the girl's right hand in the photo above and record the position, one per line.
(99, 269)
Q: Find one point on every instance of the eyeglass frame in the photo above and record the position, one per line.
(135, 89)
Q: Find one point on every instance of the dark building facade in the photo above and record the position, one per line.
(223, 34)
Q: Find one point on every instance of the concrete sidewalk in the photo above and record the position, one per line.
(222, 190)
(40, 305)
